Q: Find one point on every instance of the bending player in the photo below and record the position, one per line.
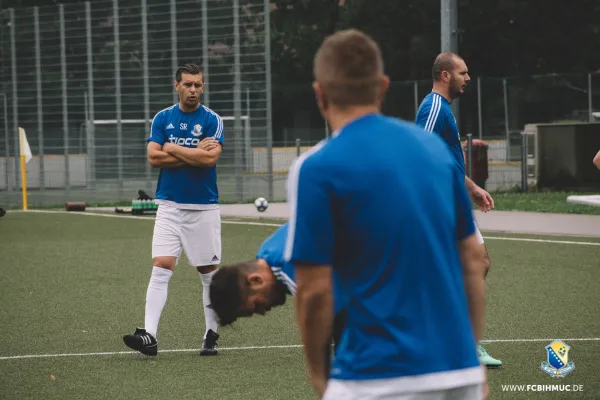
(450, 77)
(185, 142)
(256, 286)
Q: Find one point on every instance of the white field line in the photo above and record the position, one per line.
(113, 353)
(135, 217)
(288, 346)
(516, 239)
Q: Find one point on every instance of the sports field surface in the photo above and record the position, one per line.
(72, 284)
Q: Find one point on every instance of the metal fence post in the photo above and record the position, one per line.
(205, 61)
(416, 93)
(479, 111)
(15, 102)
(86, 107)
(247, 133)
(237, 102)
(524, 161)
(144, 6)
(297, 147)
(267, 39)
(6, 142)
(591, 109)
(174, 44)
(117, 52)
(470, 154)
(40, 113)
(65, 105)
(91, 138)
(506, 127)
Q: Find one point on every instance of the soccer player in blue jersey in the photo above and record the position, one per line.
(450, 77)
(365, 206)
(185, 143)
(256, 286)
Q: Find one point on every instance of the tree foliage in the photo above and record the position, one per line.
(497, 37)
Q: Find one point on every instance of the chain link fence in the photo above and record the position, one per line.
(85, 80)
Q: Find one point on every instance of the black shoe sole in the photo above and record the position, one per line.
(208, 352)
(493, 366)
(133, 343)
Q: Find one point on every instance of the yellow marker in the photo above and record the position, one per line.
(26, 156)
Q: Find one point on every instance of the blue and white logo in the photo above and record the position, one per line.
(197, 130)
(184, 141)
(557, 363)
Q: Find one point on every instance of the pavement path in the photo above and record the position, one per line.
(493, 221)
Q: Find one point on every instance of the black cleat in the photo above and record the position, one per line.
(209, 345)
(141, 341)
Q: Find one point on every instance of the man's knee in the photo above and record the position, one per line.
(205, 269)
(167, 262)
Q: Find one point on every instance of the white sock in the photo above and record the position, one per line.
(209, 315)
(156, 297)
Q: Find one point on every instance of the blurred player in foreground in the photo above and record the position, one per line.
(185, 143)
(381, 206)
(450, 78)
(597, 160)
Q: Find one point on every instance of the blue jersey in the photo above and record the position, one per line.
(187, 187)
(435, 115)
(272, 251)
(383, 205)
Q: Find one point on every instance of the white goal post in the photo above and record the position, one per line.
(91, 135)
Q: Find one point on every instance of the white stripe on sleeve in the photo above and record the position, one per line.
(436, 105)
(292, 196)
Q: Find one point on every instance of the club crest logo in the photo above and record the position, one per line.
(557, 363)
(197, 130)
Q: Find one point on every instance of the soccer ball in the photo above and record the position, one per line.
(261, 204)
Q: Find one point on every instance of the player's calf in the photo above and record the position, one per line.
(487, 264)
(486, 261)
(209, 345)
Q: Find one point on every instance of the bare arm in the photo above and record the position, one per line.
(597, 160)
(314, 315)
(470, 184)
(160, 159)
(196, 157)
(480, 196)
(473, 263)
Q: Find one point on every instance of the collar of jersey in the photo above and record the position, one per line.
(338, 131)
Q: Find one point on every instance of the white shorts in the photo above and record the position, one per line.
(358, 390)
(479, 236)
(198, 232)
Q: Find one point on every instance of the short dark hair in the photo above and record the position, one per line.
(444, 62)
(229, 289)
(349, 68)
(190, 68)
